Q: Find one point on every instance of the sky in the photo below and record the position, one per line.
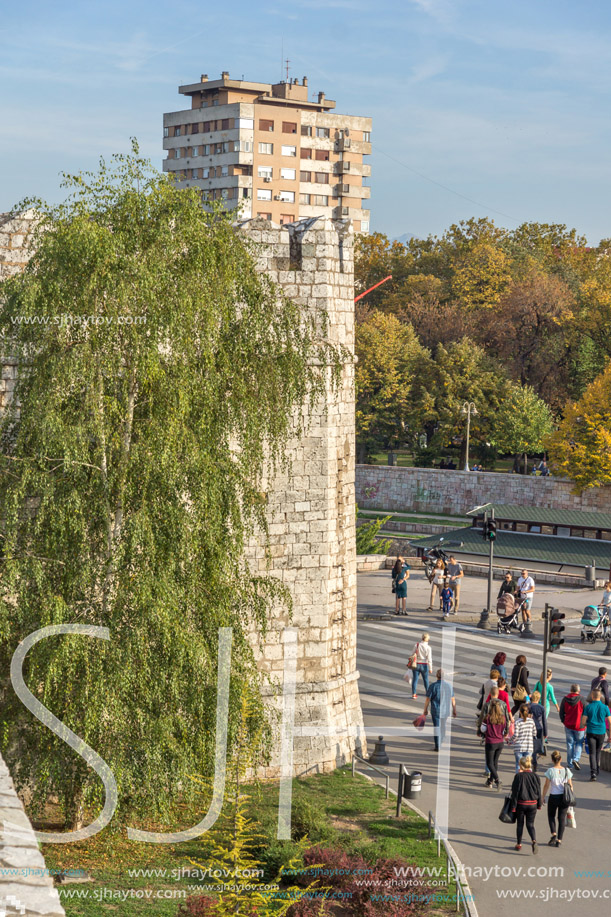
(478, 108)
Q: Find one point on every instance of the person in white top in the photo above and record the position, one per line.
(439, 573)
(526, 587)
(424, 664)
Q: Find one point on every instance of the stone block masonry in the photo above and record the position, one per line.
(454, 493)
(311, 508)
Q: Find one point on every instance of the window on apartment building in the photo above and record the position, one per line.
(177, 131)
(205, 173)
(166, 132)
(305, 198)
(287, 196)
(247, 123)
(306, 153)
(322, 178)
(225, 124)
(266, 147)
(265, 125)
(322, 131)
(305, 176)
(225, 171)
(206, 126)
(195, 151)
(289, 150)
(264, 194)
(306, 130)
(264, 216)
(289, 127)
(177, 153)
(265, 171)
(289, 174)
(321, 200)
(242, 146)
(245, 192)
(215, 101)
(224, 193)
(366, 139)
(205, 149)
(195, 128)
(322, 155)
(286, 218)
(194, 173)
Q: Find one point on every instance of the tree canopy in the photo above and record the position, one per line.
(158, 371)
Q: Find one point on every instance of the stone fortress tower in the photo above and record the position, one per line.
(311, 513)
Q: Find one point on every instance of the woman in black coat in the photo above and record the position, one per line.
(519, 676)
(526, 801)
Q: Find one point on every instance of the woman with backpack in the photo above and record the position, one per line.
(524, 736)
(494, 728)
(526, 801)
(556, 778)
(520, 689)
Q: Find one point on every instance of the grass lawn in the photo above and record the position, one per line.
(334, 810)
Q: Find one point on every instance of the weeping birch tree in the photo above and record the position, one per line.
(158, 370)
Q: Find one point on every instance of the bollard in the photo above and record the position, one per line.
(484, 621)
(528, 633)
(379, 756)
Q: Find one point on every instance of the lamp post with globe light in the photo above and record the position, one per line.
(468, 408)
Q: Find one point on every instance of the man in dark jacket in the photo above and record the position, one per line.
(601, 684)
(571, 711)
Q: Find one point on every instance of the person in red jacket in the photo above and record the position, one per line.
(571, 710)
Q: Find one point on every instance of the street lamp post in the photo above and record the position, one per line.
(468, 408)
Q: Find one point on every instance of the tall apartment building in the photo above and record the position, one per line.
(270, 151)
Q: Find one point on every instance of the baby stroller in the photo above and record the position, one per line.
(595, 623)
(508, 608)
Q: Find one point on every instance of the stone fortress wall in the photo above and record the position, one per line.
(311, 513)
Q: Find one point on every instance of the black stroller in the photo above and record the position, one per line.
(508, 608)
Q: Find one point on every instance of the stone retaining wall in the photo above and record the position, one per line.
(456, 492)
(26, 889)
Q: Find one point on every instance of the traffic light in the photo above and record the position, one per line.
(555, 641)
(489, 531)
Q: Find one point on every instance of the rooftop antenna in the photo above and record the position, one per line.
(287, 69)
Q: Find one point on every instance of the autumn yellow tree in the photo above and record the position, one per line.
(581, 447)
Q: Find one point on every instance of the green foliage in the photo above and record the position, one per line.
(523, 423)
(391, 374)
(131, 478)
(366, 536)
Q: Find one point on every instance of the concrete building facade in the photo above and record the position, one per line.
(269, 151)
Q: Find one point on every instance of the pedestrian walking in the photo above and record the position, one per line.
(486, 688)
(520, 689)
(550, 697)
(401, 586)
(508, 586)
(606, 599)
(494, 728)
(571, 713)
(503, 695)
(537, 711)
(436, 583)
(394, 573)
(526, 588)
(440, 699)
(524, 736)
(526, 801)
(424, 664)
(601, 684)
(556, 778)
(596, 721)
(499, 664)
(456, 574)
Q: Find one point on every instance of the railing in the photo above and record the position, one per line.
(372, 767)
(452, 869)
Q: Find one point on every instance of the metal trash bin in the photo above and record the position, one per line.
(591, 575)
(412, 784)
